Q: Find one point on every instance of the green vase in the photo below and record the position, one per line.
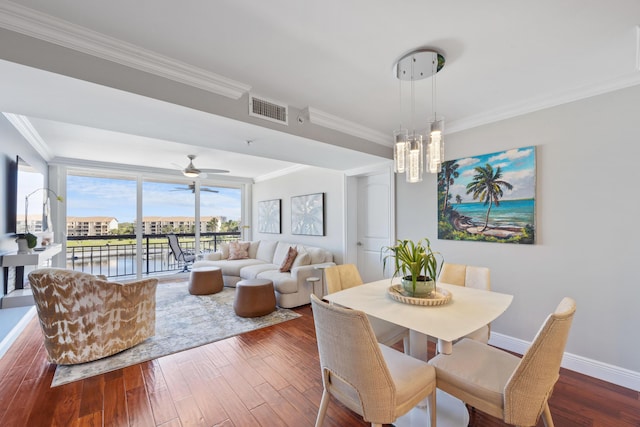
(424, 288)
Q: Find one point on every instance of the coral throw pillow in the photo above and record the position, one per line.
(288, 261)
(239, 250)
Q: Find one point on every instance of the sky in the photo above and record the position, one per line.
(92, 196)
(518, 168)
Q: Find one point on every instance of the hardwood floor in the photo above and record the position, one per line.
(269, 377)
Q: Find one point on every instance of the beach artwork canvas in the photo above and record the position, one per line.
(489, 198)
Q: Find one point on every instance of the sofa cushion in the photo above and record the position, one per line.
(224, 249)
(238, 250)
(292, 254)
(253, 249)
(265, 250)
(282, 282)
(318, 256)
(281, 252)
(252, 271)
(303, 258)
(228, 267)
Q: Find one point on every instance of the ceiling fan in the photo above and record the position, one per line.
(192, 187)
(193, 172)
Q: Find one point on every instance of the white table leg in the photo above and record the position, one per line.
(418, 345)
(445, 347)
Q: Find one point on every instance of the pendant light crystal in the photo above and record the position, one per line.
(401, 138)
(435, 147)
(415, 156)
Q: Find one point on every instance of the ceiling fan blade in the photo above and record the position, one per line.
(209, 190)
(214, 171)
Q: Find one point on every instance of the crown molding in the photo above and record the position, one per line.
(28, 132)
(279, 173)
(45, 27)
(541, 103)
(327, 120)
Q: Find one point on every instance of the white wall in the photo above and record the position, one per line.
(587, 231)
(305, 181)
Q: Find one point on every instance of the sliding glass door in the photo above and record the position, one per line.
(105, 212)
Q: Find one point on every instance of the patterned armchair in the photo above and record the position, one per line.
(84, 317)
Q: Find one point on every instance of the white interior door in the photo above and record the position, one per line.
(374, 223)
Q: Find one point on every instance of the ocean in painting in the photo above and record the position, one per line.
(517, 213)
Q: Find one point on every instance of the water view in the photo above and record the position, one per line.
(518, 213)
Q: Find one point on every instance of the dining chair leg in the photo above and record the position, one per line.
(431, 406)
(546, 416)
(322, 410)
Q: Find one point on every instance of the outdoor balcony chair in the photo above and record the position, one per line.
(184, 257)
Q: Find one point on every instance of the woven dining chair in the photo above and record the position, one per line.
(372, 379)
(472, 277)
(345, 276)
(500, 384)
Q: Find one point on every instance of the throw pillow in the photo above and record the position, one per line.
(238, 250)
(288, 261)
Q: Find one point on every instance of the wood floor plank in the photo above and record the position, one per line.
(269, 377)
(292, 415)
(189, 413)
(245, 391)
(267, 417)
(92, 397)
(139, 408)
(233, 406)
(208, 401)
(115, 402)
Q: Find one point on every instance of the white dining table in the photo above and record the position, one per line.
(468, 310)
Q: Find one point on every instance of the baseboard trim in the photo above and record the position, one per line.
(21, 322)
(603, 371)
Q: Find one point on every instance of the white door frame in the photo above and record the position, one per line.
(351, 214)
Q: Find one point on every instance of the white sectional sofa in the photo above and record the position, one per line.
(265, 258)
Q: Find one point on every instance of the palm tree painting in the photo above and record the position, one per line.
(494, 197)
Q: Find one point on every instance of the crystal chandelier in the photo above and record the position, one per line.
(408, 151)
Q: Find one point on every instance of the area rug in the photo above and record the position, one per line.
(183, 321)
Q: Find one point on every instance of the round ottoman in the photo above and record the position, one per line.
(205, 280)
(254, 297)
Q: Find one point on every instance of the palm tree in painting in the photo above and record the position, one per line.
(458, 199)
(487, 187)
(447, 177)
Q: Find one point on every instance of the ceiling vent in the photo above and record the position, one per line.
(268, 110)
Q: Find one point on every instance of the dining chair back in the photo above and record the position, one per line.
(345, 276)
(500, 384)
(472, 277)
(340, 277)
(373, 380)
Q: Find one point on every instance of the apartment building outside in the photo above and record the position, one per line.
(103, 226)
(90, 225)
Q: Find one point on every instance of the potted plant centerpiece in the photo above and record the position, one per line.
(417, 265)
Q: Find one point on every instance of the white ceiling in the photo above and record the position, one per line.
(503, 58)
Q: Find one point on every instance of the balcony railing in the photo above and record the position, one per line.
(117, 256)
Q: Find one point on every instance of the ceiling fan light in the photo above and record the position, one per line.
(191, 174)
